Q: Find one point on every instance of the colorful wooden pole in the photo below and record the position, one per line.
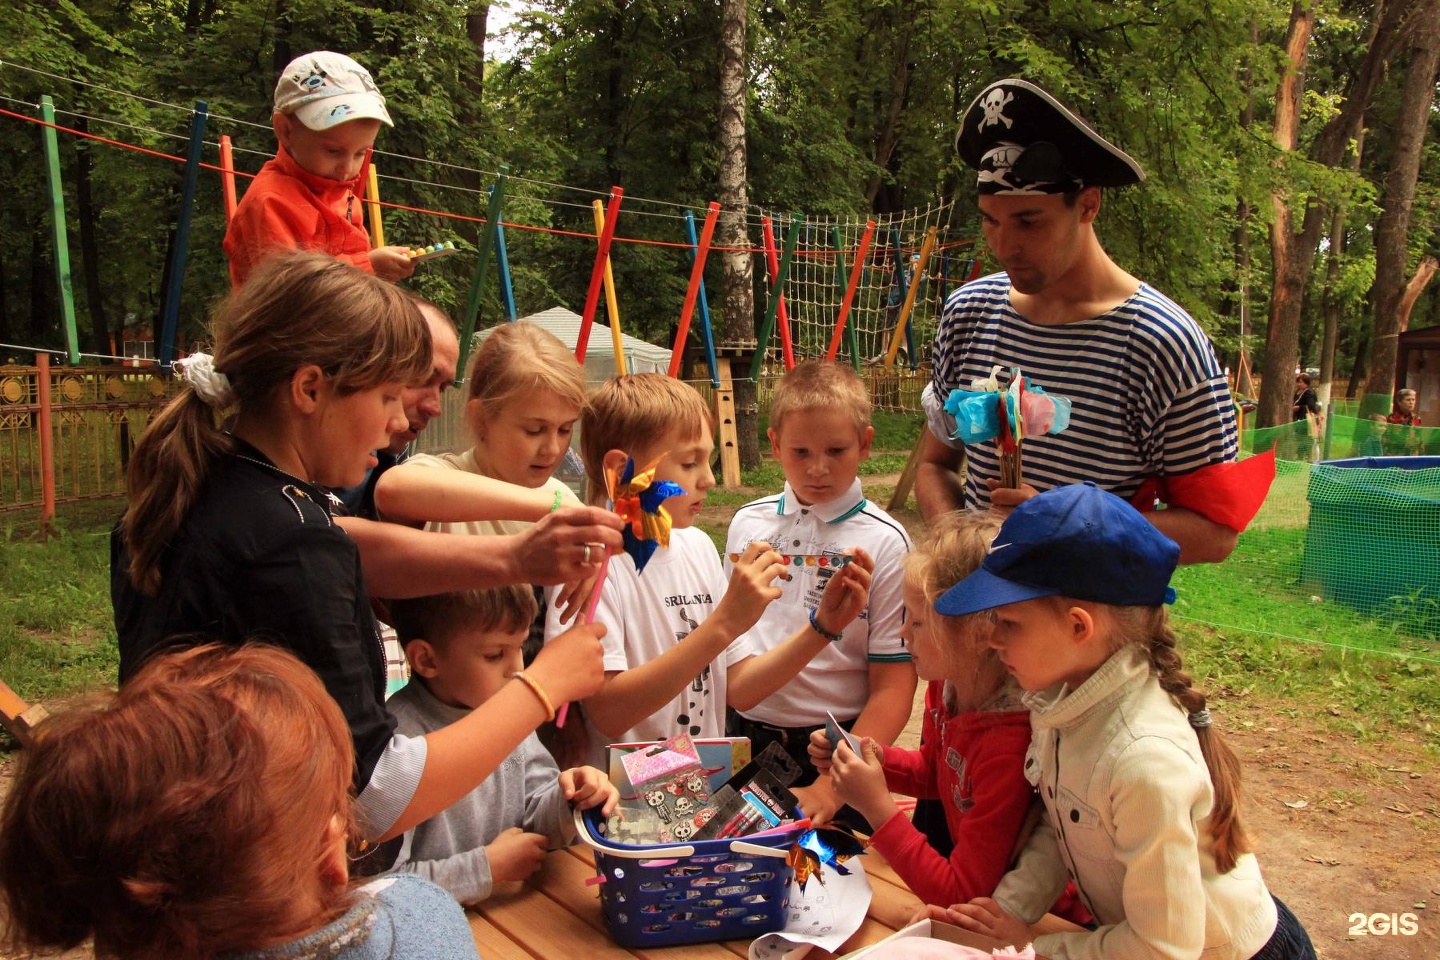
(782, 315)
(227, 176)
(58, 229)
(482, 260)
(707, 331)
(372, 208)
(697, 280)
(502, 263)
(597, 273)
(902, 322)
(612, 308)
(852, 340)
(855, 270)
(170, 310)
(47, 434)
(777, 291)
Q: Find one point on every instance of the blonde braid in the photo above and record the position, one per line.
(1152, 626)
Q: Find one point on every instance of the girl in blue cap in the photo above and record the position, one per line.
(1141, 794)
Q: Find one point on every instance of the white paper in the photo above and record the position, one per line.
(822, 915)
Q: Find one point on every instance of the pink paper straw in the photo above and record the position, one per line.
(589, 617)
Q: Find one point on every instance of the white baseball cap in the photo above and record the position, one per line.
(323, 89)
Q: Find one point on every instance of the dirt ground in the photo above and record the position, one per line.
(1347, 832)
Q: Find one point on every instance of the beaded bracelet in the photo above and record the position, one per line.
(539, 692)
(555, 505)
(815, 625)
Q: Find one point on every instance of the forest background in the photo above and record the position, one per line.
(1291, 147)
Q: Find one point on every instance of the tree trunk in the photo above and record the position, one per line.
(475, 26)
(1331, 307)
(1393, 229)
(42, 290)
(888, 135)
(89, 246)
(738, 284)
(1287, 286)
(1293, 254)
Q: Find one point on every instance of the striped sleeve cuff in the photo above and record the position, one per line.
(392, 785)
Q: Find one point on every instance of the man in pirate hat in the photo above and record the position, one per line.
(1152, 416)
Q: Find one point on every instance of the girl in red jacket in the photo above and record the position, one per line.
(976, 731)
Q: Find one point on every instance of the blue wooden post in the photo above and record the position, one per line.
(706, 333)
(170, 309)
(502, 263)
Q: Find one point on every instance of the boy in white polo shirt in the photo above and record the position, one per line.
(820, 432)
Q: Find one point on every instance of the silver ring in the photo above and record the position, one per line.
(585, 557)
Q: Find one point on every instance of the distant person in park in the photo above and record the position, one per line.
(327, 114)
(230, 535)
(1372, 444)
(205, 811)
(1152, 418)
(1403, 410)
(1306, 404)
(1305, 413)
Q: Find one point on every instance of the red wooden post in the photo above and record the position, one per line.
(47, 445)
(227, 176)
(697, 276)
(597, 275)
(782, 316)
(850, 288)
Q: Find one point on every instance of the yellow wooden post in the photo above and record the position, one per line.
(611, 306)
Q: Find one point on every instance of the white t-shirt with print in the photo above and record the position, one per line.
(645, 614)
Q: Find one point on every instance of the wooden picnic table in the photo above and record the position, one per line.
(555, 916)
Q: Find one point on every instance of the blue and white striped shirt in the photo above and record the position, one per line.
(1148, 395)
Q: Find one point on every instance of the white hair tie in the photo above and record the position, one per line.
(209, 384)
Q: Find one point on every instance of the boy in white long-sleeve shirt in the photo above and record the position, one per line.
(463, 647)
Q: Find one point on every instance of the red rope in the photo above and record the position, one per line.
(555, 231)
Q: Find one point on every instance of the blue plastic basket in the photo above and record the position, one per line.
(662, 896)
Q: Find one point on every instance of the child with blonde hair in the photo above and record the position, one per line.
(674, 651)
(526, 392)
(975, 733)
(1141, 794)
(203, 811)
(820, 433)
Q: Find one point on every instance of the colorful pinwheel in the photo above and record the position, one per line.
(1007, 415)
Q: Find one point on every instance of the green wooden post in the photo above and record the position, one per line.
(482, 260)
(57, 222)
(842, 280)
(773, 307)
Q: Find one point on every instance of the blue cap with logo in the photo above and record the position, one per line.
(1075, 541)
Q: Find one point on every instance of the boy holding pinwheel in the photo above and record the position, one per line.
(674, 649)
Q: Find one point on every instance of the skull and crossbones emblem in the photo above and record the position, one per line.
(994, 104)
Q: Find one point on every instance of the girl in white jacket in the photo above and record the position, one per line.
(1141, 794)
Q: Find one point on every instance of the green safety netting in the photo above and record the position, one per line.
(1350, 530)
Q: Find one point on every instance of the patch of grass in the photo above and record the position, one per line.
(57, 637)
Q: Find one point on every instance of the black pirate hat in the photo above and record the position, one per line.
(1023, 141)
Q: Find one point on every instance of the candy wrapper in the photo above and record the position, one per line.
(674, 793)
(823, 847)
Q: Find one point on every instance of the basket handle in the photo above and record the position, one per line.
(582, 830)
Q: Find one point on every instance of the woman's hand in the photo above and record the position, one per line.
(571, 665)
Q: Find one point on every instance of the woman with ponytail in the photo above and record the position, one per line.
(1141, 794)
(228, 533)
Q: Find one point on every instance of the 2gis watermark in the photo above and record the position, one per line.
(1383, 924)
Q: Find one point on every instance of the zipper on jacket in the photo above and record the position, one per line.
(349, 207)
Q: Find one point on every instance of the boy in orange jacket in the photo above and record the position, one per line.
(327, 113)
